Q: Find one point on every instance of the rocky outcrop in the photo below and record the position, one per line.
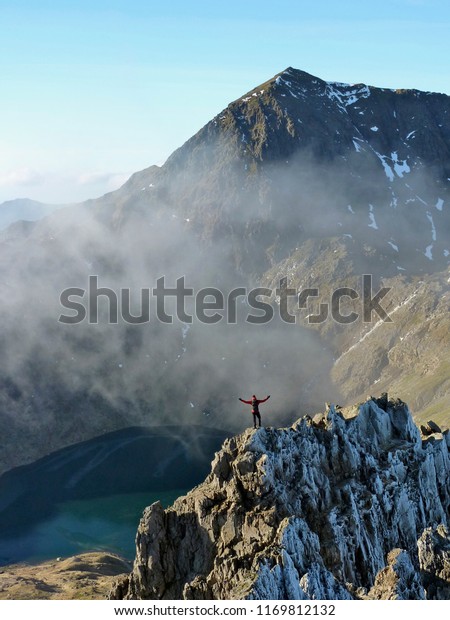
(398, 580)
(330, 508)
(434, 558)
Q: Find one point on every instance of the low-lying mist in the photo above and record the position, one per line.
(212, 218)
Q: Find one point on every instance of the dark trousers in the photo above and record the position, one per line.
(256, 414)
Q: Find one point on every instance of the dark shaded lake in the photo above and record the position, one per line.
(90, 496)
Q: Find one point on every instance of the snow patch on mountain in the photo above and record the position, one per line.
(345, 94)
(356, 145)
(400, 167)
(429, 252)
(433, 227)
(373, 223)
(387, 169)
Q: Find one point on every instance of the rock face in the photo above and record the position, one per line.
(434, 558)
(398, 581)
(349, 505)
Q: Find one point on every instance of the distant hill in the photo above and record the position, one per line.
(24, 209)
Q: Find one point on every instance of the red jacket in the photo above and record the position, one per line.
(258, 402)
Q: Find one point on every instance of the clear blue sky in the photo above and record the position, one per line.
(92, 91)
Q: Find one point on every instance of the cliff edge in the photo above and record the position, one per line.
(353, 503)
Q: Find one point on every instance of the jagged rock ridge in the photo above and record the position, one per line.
(351, 504)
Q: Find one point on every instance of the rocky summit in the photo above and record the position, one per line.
(351, 504)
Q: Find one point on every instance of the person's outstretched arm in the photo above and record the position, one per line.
(264, 399)
(247, 402)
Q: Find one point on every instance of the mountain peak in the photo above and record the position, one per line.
(286, 78)
(298, 74)
(299, 84)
